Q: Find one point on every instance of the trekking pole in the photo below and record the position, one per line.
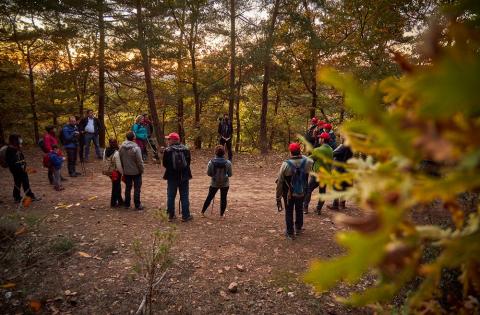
(179, 209)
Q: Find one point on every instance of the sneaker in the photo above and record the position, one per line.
(171, 219)
(289, 237)
(299, 231)
(139, 208)
(59, 188)
(203, 214)
(305, 211)
(78, 173)
(187, 219)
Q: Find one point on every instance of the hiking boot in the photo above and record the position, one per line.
(171, 219)
(289, 237)
(187, 219)
(299, 231)
(305, 210)
(334, 205)
(73, 175)
(203, 214)
(343, 204)
(78, 173)
(140, 208)
(59, 188)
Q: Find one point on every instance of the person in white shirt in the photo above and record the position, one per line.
(91, 127)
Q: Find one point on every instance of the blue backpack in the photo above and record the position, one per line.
(298, 182)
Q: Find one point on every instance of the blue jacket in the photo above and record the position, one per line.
(140, 131)
(55, 160)
(70, 140)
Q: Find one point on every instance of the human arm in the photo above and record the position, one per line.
(229, 169)
(280, 181)
(210, 169)
(138, 159)
(118, 162)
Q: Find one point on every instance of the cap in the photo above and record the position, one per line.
(294, 147)
(320, 123)
(324, 135)
(173, 136)
(314, 120)
(327, 126)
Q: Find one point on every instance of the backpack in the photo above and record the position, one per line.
(219, 174)
(3, 156)
(178, 160)
(298, 182)
(108, 165)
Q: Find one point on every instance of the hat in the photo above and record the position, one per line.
(173, 136)
(324, 135)
(294, 147)
(314, 120)
(320, 123)
(327, 126)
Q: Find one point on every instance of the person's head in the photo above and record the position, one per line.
(225, 116)
(130, 136)
(327, 127)
(50, 129)
(323, 138)
(220, 151)
(72, 120)
(294, 149)
(15, 140)
(89, 113)
(314, 121)
(145, 115)
(173, 138)
(139, 119)
(113, 144)
(55, 148)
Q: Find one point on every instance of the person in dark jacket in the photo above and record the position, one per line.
(70, 135)
(310, 134)
(342, 153)
(176, 160)
(18, 167)
(56, 161)
(225, 132)
(220, 170)
(112, 156)
(132, 165)
(91, 127)
(333, 139)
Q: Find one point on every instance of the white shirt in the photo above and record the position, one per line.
(90, 128)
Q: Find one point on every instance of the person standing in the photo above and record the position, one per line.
(17, 165)
(56, 161)
(292, 181)
(176, 160)
(132, 165)
(321, 156)
(342, 154)
(49, 140)
(332, 142)
(310, 134)
(111, 157)
(225, 131)
(70, 135)
(91, 127)
(141, 135)
(150, 139)
(220, 170)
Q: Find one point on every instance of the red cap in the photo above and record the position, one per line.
(327, 126)
(173, 136)
(325, 136)
(314, 120)
(320, 123)
(294, 147)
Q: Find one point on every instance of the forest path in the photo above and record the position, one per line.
(205, 255)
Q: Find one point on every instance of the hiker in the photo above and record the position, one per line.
(91, 127)
(342, 154)
(220, 170)
(225, 131)
(81, 140)
(292, 181)
(113, 165)
(69, 138)
(141, 134)
(333, 139)
(15, 160)
(55, 162)
(132, 165)
(321, 156)
(49, 139)
(150, 139)
(176, 160)
(310, 134)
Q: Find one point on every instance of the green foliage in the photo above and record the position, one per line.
(430, 114)
(62, 245)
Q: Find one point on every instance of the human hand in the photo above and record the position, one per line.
(279, 205)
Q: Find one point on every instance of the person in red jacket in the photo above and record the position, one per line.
(49, 140)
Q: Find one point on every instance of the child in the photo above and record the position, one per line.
(220, 170)
(56, 162)
(112, 157)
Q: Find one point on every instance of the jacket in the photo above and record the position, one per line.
(310, 135)
(49, 139)
(333, 140)
(116, 158)
(97, 126)
(222, 162)
(15, 160)
(56, 160)
(320, 156)
(285, 173)
(342, 154)
(170, 172)
(225, 129)
(131, 158)
(140, 131)
(70, 139)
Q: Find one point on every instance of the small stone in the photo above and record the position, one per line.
(290, 294)
(220, 271)
(240, 268)
(224, 295)
(279, 290)
(233, 287)
(226, 268)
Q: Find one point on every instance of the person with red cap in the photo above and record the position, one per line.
(321, 156)
(310, 134)
(291, 185)
(333, 139)
(318, 132)
(176, 161)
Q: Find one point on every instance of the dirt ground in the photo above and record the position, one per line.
(42, 263)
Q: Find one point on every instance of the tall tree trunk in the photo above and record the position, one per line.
(231, 100)
(157, 126)
(74, 77)
(237, 109)
(101, 70)
(272, 131)
(196, 94)
(33, 102)
(180, 88)
(266, 78)
(313, 88)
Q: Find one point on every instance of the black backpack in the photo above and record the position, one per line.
(179, 162)
(219, 173)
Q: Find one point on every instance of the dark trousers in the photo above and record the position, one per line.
(20, 180)
(71, 160)
(136, 180)
(312, 185)
(228, 146)
(183, 187)
(212, 191)
(116, 198)
(50, 175)
(294, 204)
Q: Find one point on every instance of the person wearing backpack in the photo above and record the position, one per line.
(69, 138)
(220, 170)
(15, 161)
(292, 182)
(112, 167)
(141, 135)
(342, 154)
(320, 156)
(132, 165)
(176, 160)
(332, 142)
(225, 132)
(310, 134)
(48, 140)
(56, 161)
